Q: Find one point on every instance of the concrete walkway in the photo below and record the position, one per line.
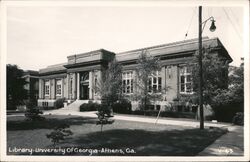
(228, 144)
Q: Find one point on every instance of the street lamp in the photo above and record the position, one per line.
(212, 28)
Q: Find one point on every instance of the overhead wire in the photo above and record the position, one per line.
(194, 10)
(234, 16)
(234, 27)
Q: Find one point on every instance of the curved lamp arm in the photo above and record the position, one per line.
(212, 27)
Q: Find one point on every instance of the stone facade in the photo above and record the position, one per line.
(77, 78)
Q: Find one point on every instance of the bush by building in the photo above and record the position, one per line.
(172, 114)
(225, 113)
(34, 114)
(124, 107)
(89, 106)
(59, 103)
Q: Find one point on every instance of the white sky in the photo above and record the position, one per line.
(39, 36)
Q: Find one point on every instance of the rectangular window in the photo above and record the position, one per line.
(47, 88)
(185, 80)
(127, 82)
(59, 87)
(155, 83)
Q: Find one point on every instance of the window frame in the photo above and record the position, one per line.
(187, 73)
(153, 81)
(47, 88)
(127, 82)
(60, 81)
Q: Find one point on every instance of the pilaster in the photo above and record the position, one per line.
(78, 86)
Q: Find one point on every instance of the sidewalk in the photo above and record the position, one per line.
(230, 144)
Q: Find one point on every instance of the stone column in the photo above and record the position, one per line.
(66, 93)
(73, 85)
(78, 86)
(63, 81)
(41, 88)
(53, 89)
(163, 80)
(91, 85)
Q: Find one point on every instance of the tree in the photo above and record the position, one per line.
(228, 102)
(215, 75)
(109, 86)
(146, 68)
(15, 87)
(110, 89)
(224, 93)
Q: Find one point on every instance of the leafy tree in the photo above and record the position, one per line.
(224, 93)
(15, 87)
(227, 103)
(146, 68)
(109, 86)
(215, 75)
(110, 90)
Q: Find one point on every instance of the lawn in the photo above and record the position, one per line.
(119, 139)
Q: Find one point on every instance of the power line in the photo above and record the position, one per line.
(194, 10)
(234, 16)
(232, 24)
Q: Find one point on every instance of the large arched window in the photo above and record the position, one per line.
(84, 78)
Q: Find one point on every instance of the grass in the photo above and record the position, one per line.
(144, 138)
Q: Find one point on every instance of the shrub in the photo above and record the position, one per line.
(123, 107)
(32, 103)
(59, 103)
(34, 114)
(89, 107)
(165, 113)
(225, 113)
(238, 119)
(103, 114)
(59, 133)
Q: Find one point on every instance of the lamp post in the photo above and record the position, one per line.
(212, 28)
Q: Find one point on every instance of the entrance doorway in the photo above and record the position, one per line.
(84, 92)
(84, 86)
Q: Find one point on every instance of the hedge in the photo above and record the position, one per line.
(89, 107)
(123, 107)
(226, 113)
(59, 103)
(165, 113)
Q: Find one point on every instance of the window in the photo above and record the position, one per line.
(47, 88)
(59, 87)
(127, 82)
(155, 83)
(185, 80)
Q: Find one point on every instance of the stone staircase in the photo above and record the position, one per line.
(75, 105)
(71, 108)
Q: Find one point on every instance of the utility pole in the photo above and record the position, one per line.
(200, 70)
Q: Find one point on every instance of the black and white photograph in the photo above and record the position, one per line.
(124, 80)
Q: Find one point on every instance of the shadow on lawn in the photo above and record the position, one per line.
(48, 123)
(187, 142)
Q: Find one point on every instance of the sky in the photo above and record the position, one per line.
(38, 36)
